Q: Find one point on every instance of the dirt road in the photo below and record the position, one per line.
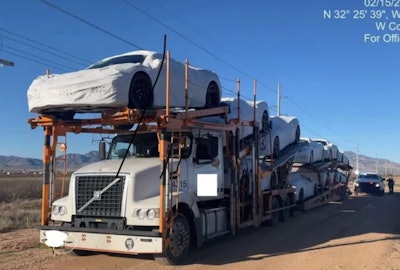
(360, 233)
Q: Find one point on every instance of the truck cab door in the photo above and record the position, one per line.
(208, 167)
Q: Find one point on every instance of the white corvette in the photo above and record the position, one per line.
(125, 80)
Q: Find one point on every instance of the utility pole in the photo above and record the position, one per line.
(357, 168)
(278, 107)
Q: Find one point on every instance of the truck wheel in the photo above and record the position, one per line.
(178, 247)
(300, 202)
(286, 213)
(275, 216)
(141, 94)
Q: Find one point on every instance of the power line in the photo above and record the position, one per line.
(34, 61)
(26, 44)
(90, 24)
(34, 56)
(82, 60)
(187, 39)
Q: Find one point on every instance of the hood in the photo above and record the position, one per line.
(131, 165)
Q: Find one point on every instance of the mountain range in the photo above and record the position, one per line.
(75, 161)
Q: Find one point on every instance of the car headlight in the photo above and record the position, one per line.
(377, 185)
(144, 213)
(356, 184)
(59, 210)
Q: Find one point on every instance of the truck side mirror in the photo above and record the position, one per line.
(102, 150)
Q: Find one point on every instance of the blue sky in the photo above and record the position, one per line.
(340, 87)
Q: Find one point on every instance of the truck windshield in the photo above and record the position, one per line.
(144, 145)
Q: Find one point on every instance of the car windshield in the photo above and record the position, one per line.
(134, 59)
(323, 142)
(370, 176)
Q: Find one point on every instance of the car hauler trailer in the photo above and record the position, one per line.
(177, 179)
(331, 179)
(209, 186)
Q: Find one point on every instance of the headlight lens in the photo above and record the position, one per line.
(141, 213)
(59, 210)
(377, 185)
(63, 210)
(151, 213)
(356, 184)
(55, 210)
(144, 213)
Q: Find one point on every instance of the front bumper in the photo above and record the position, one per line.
(368, 188)
(127, 242)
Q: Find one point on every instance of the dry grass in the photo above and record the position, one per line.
(20, 202)
(20, 214)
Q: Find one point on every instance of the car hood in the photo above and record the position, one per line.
(77, 80)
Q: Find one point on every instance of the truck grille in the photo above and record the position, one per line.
(107, 204)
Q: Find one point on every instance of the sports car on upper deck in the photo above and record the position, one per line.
(125, 80)
(283, 131)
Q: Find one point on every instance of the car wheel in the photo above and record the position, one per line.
(276, 147)
(265, 121)
(297, 139)
(66, 115)
(315, 190)
(141, 94)
(212, 96)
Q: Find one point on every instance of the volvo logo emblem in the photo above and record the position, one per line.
(97, 195)
(129, 243)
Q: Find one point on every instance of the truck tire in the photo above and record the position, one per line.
(178, 248)
(300, 202)
(275, 216)
(286, 213)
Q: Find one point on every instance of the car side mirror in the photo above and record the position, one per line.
(102, 150)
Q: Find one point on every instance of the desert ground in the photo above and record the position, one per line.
(360, 233)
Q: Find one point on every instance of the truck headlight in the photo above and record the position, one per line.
(59, 210)
(141, 213)
(145, 213)
(151, 213)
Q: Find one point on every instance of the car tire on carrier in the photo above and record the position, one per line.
(212, 96)
(141, 94)
(276, 147)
